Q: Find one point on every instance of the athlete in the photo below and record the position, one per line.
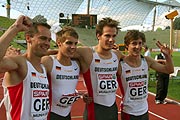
(100, 72)
(134, 76)
(63, 73)
(26, 88)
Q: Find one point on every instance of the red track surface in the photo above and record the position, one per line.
(169, 111)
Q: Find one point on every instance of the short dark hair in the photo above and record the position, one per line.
(106, 22)
(133, 35)
(34, 29)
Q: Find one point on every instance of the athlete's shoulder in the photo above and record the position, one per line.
(119, 54)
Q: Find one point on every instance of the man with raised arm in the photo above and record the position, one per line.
(26, 88)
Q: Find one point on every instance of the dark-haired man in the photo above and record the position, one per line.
(100, 72)
(26, 88)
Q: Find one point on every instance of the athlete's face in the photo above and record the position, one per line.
(40, 42)
(68, 47)
(107, 39)
(135, 47)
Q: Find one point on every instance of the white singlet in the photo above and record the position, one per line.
(29, 100)
(102, 77)
(64, 80)
(134, 88)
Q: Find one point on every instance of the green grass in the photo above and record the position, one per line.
(173, 89)
(174, 85)
(175, 57)
(88, 37)
(5, 22)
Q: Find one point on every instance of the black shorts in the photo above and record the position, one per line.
(54, 116)
(103, 112)
(126, 116)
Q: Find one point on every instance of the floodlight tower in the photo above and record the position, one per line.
(171, 16)
(8, 8)
(154, 17)
(88, 6)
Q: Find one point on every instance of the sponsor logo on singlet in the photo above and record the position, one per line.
(67, 77)
(137, 90)
(40, 96)
(68, 100)
(100, 69)
(107, 83)
(136, 77)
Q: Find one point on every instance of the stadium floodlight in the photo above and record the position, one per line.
(171, 16)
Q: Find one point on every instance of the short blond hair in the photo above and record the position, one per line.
(65, 32)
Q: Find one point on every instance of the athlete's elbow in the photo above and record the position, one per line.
(171, 71)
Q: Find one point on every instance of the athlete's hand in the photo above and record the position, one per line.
(164, 49)
(87, 99)
(23, 23)
(12, 51)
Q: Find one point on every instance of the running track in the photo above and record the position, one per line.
(169, 111)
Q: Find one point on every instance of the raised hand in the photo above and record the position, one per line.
(164, 48)
(23, 23)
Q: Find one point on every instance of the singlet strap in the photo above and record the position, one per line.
(142, 56)
(52, 56)
(5, 96)
(121, 60)
(93, 49)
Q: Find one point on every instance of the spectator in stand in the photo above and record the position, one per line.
(147, 51)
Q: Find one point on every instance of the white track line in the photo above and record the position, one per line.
(167, 99)
(148, 111)
(170, 100)
(76, 116)
(82, 90)
(157, 115)
(118, 96)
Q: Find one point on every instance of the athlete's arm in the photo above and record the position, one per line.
(47, 61)
(10, 63)
(84, 54)
(166, 68)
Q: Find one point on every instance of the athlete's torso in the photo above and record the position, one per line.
(102, 74)
(64, 80)
(134, 83)
(29, 100)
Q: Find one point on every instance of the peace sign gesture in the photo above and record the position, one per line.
(164, 48)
